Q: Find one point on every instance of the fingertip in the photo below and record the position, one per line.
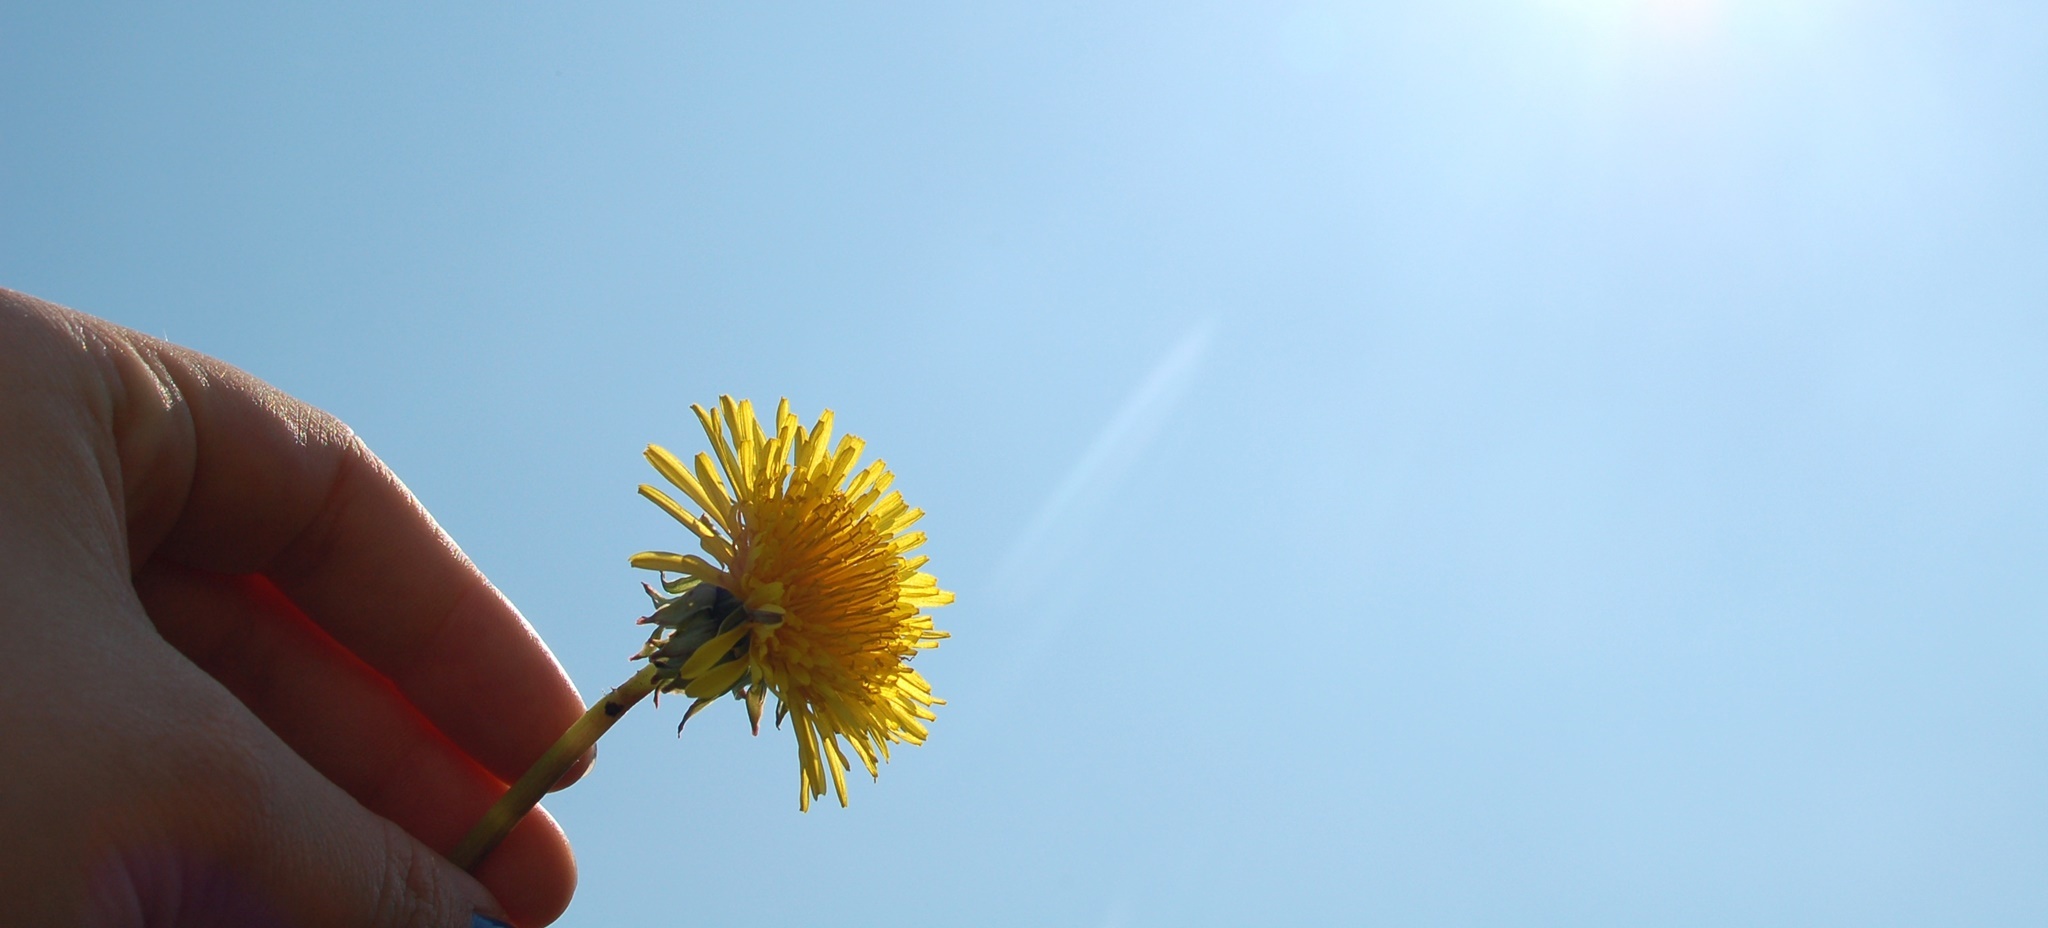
(577, 770)
(533, 872)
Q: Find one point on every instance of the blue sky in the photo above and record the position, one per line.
(1527, 462)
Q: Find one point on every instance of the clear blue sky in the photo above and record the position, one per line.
(1528, 462)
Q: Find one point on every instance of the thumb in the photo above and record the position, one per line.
(244, 832)
(351, 868)
(404, 886)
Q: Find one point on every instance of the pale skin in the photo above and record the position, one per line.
(243, 674)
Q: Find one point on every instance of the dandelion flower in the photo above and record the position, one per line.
(809, 592)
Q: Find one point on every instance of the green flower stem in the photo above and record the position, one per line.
(547, 771)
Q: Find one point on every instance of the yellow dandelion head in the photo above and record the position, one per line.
(809, 593)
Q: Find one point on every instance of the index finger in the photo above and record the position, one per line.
(239, 477)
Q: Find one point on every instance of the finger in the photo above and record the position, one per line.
(376, 877)
(198, 814)
(309, 852)
(262, 483)
(351, 725)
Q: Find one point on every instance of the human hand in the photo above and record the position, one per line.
(244, 677)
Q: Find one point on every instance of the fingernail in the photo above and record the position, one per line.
(480, 920)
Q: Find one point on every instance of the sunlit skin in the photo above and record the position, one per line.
(243, 675)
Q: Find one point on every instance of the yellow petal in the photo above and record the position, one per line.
(721, 500)
(719, 548)
(765, 594)
(676, 510)
(672, 468)
(686, 564)
(811, 447)
(843, 459)
(837, 767)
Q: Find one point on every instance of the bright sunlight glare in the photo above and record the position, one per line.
(1669, 17)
